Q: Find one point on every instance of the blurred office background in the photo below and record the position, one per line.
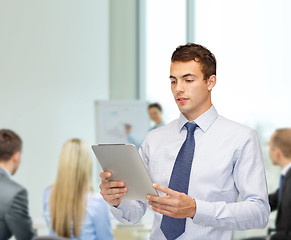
(57, 58)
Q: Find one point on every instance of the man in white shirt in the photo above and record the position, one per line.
(226, 161)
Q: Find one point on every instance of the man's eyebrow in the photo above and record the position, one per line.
(189, 75)
(185, 75)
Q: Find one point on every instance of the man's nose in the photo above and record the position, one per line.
(180, 87)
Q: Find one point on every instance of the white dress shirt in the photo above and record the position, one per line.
(285, 169)
(8, 173)
(227, 162)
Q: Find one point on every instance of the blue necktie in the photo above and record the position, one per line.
(280, 188)
(174, 227)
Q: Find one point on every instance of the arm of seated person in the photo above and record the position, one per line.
(17, 218)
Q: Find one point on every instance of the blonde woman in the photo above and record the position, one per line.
(71, 207)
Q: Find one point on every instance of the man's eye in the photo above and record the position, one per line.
(189, 80)
(173, 82)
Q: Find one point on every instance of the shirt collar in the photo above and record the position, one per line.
(285, 169)
(6, 171)
(204, 121)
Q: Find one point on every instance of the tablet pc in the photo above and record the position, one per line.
(125, 163)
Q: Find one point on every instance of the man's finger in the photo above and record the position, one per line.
(164, 189)
(161, 211)
(113, 191)
(160, 200)
(112, 184)
(105, 175)
(114, 197)
(164, 207)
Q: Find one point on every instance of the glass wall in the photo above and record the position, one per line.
(251, 43)
(165, 30)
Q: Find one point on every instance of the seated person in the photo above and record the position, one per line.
(14, 218)
(71, 208)
(280, 153)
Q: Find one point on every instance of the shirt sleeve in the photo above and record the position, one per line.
(129, 211)
(249, 178)
(18, 219)
(46, 210)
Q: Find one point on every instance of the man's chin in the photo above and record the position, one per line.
(182, 108)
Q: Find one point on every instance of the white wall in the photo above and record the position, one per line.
(53, 65)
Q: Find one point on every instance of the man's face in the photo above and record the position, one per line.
(155, 114)
(190, 90)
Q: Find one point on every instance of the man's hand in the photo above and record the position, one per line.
(112, 191)
(174, 204)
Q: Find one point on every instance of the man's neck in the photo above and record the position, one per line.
(198, 113)
(7, 167)
(285, 162)
(159, 122)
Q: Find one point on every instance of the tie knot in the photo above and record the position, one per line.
(191, 127)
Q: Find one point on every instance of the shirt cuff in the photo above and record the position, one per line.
(120, 209)
(204, 212)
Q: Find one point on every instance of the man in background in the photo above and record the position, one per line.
(280, 153)
(14, 218)
(155, 112)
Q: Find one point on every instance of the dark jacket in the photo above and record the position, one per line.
(14, 218)
(283, 219)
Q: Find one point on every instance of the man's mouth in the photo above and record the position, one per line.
(181, 99)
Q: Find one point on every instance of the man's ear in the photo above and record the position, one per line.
(278, 153)
(211, 82)
(16, 157)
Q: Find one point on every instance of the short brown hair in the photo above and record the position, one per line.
(198, 53)
(10, 143)
(282, 140)
(156, 105)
